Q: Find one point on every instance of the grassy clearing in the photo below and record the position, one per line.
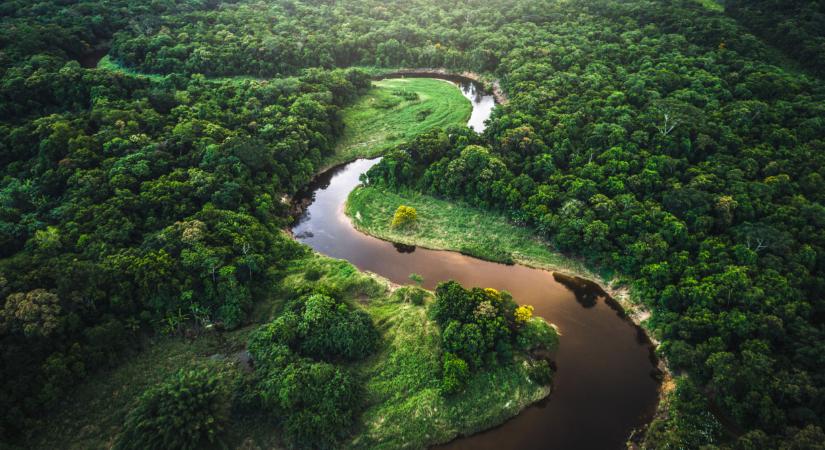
(396, 110)
(404, 406)
(454, 226)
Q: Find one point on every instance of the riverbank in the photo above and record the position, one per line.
(445, 225)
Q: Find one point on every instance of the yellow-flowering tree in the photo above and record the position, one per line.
(523, 314)
(405, 217)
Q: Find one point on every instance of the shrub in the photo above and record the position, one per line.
(331, 329)
(317, 401)
(523, 314)
(536, 334)
(188, 411)
(404, 217)
(455, 375)
(539, 371)
(465, 340)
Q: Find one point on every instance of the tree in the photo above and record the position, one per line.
(455, 374)
(36, 313)
(523, 314)
(187, 411)
(405, 217)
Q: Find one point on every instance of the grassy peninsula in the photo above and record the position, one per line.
(394, 111)
(447, 225)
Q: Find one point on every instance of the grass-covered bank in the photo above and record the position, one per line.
(446, 225)
(396, 110)
(403, 403)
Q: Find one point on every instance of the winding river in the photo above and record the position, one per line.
(605, 385)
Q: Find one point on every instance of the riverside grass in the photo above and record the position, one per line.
(447, 225)
(403, 406)
(393, 112)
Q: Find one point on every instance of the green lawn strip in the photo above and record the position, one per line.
(383, 119)
(454, 226)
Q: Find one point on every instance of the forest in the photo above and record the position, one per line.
(677, 144)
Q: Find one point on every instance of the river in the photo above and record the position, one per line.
(605, 385)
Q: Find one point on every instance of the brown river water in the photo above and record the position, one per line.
(605, 385)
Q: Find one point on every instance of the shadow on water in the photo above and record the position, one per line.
(403, 248)
(587, 293)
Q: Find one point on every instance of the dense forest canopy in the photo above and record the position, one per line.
(658, 139)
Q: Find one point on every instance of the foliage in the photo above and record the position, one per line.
(654, 138)
(664, 150)
(329, 329)
(456, 372)
(315, 399)
(523, 314)
(188, 411)
(479, 329)
(36, 312)
(794, 26)
(404, 217)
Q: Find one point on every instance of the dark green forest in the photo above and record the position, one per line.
(679, 146)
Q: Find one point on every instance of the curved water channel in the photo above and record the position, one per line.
(605, 385)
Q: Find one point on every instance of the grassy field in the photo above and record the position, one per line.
(404, 407)
(396, 110)
(454, 226)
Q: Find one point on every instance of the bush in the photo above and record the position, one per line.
(539, 371)
(331, 329)
(188, 411)
(455, 376)
(536, 334)
(316, 400)
(404, 217)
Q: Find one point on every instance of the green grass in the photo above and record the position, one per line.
(383, 118)
(446, 225)
(404, 407)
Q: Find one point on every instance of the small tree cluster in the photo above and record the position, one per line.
(481, 327)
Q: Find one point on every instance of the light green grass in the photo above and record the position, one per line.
(382, 119)
(403, 405)
(453, 226)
